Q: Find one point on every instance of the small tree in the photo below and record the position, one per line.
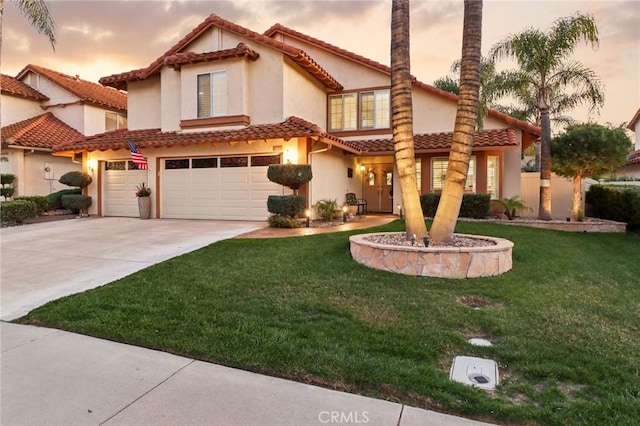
(588, 150)
(290, 175)
(76, 202)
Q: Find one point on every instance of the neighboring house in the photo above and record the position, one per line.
(222, 104)
(42, 108)
(632, 168)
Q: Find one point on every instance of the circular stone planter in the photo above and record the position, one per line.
(440, 262)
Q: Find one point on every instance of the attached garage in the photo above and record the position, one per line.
(119, 189)
(222, 187)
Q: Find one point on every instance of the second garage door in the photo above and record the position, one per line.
(225, 188)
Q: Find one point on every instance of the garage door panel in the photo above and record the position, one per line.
(231, 193)
(119, 192)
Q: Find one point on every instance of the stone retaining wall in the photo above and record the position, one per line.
(441, 262)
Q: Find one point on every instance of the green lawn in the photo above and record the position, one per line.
(565, 322)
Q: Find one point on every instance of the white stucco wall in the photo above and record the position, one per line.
(171, 99)
(432, 113)
(303, 97)
(16, 109)
(72, 115)
(55, 93)
(94, 120)
(511, 173)
(266, 94)
(330, 180)
(637, 131)
(40, 182)
(144, 104)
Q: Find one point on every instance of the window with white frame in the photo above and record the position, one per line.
(374, 109)
(114, 121)
(493, 182)
(359, 111)
(212, 94)
(439, 170)
(343, 112)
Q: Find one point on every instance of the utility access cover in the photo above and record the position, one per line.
(477, 372)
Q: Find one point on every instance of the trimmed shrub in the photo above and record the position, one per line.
(55, 198)
(76, 178)
(40, 200)
(7, 192)
(76, 202)
(279, 221)
(7, 178)
(473, 205)
(18, 210)
(290, 175)
(615, 202)
(286, 205)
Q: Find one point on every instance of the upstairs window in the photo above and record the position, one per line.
(365, 110)
(114, 121)
(374, 109)
(212, 94)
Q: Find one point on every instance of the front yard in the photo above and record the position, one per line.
(565, 322)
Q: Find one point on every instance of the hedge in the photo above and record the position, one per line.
(41, 202)
(473, 205)
(76, 178)
(615, 202)
(55, 198)
(17, 210)
(290, 175)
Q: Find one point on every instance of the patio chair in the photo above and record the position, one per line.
(353, 201)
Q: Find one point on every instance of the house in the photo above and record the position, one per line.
(42, 108)
(632, 168)
(225, 102)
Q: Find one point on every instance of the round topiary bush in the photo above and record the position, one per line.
(7, 178)
(76, 202)
(75, 178)
(286, 205)
(290, 175)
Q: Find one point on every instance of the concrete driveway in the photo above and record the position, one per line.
(46, 261)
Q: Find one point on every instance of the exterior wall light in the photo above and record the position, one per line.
(344, 214)
(307, 213)
(92, 165)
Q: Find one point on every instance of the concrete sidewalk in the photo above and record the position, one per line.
(51, 377)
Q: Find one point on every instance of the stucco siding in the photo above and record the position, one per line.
(72, 115)
(171, 99)
(303, 97)
(330, 180)
(265, 91)
(431, 113)
(38, 181)
(94, 120)
(16, 109)
(144, 104)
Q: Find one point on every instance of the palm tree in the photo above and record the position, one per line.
(446, 216)
(545, 72)
(38, 14)
(402, 119)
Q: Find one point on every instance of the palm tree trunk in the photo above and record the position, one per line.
(576, 204)
(544, 208)
(446, 216)
(402, 119)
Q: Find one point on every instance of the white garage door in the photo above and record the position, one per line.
(226, 188)
(119, 191)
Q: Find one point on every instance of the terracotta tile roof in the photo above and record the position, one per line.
(634, 157)
(153, 138)
(13, 86)
(43, 131)
(634, 120)
(176, 60)
(279, 28)
(440, 142)
(296, 55)
(85, 90)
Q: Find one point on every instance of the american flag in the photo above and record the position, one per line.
(136, 157)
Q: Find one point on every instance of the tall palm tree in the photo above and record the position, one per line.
(402, 119)
(37, 12)
(546, 72)
(446, 216)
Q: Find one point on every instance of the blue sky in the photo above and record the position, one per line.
(99, 38)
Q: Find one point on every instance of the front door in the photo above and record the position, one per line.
(378, 187)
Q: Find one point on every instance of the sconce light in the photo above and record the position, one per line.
(344, 214)
(307, 213)
(362, 168)
(289, 156)
(91, 165)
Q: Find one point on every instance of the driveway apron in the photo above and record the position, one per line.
(46, 261)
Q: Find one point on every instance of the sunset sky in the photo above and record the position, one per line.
(99, 38)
